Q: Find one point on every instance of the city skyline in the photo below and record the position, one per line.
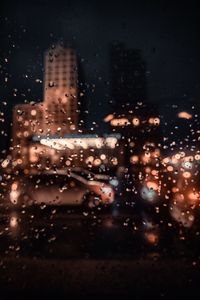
(58, 116)
(48, 135)
(166, 35)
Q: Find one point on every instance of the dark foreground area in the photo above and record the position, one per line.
(64, 254)
(66, 279)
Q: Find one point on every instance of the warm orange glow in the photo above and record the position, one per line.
(154, 121)
(72, 127)
(186, 174)
(103, 190)
(136, 121)
(120, 122)
(151, 120)
(108, 118)
(97, 162)
(134, 159)
(170, 168)
(114, 161)
(166, 160)
(174, 161)
(175, 189)
(5, 163)
(152, 185)
(154, 172)
(197, 157)
(184, 115)
(14, 186)
(33, 154)
(146, 159)
(156, 153)
(194, 196)
(13, 222)
(152, 238)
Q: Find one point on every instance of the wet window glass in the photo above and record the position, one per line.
(100, 149)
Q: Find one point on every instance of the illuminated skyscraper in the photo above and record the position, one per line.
(60, 91)
(58, 114)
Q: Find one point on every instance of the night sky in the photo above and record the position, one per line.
(167, 33)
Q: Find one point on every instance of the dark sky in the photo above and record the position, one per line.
(167, 32)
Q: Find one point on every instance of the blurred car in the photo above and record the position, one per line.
(75, 188)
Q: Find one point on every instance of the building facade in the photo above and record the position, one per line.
(61, 91)
(57, 115)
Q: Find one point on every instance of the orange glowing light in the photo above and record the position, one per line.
(114, 161)
(19, 161)
(154, 172)
(13, 222)
(5, 163)
(97, 162)
(136, 122)
(156, 153)
(175, 189)
(152, 185)
(170, 168)
(146, 159)
(14, 186)
(186, 175)
(193, 196)
(184, 115)
(134, 159)
(151, 120)
(156, 121)
(197, 157)
(119, 122)
(108, 118)
(152, 238)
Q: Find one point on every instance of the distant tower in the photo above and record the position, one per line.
(60, 90)
(128, 79)
(58, 114)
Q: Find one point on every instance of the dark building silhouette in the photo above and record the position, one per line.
(137, 120)
(128, 78)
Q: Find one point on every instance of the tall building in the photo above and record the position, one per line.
(57, 115)
(128, 78)
(60, 90)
